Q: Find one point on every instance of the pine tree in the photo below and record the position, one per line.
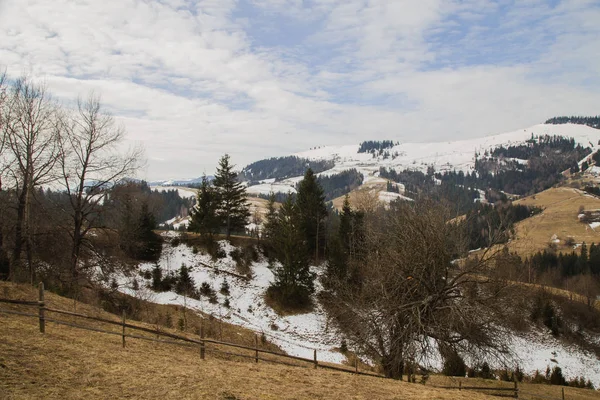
(311, 207)
(271, 218)
(149, 243)
(185, 283)
(293, 280)
(345, 230)
(233, 209)
(204, 219)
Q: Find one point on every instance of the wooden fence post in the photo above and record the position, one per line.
(256, 347)
(563, 393)
(459, 385)
(41, 308)
(123, 334)
(202, 349)
(356, 363)
(315, 358)
(516, 389)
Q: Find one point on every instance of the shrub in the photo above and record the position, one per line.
(225, 288)
(454, 365)
(206, 290)
(485, 371)
(556, 377)
(344, 346)
(519, 374)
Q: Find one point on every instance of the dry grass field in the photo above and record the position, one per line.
(69, 363)
(527, 391)
(561, 207)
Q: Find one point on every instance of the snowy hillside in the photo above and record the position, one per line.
(443, 156)
(300, 334)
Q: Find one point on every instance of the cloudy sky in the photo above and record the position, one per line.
(259, 78)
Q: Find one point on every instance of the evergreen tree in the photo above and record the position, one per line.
(271, 218)
(345, 229)
(293, 280)
(233, 209)
(312, 210)
(204, 219)
(185, 283)
(150, 243)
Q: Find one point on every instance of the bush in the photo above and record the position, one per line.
(518, 375)
(454, 365)
(206, 290)
(556, 377)
(344, 346)
(225, 288)
(485, 372)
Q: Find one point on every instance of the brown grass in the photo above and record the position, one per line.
(70, 363)
(527, 391)
(561, 206)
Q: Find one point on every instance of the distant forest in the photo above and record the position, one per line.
(371, 146)
(593, 122)
(339, 184)
(335, 185)
(280, 168)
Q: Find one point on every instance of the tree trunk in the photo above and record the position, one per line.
(393, 367)
(15, 262)
(228, 233)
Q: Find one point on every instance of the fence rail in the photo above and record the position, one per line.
(172, 338)
(514, 390)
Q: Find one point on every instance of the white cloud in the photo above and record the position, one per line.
(192, 80)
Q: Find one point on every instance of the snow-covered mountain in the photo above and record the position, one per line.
(178, 182)
(442, 156)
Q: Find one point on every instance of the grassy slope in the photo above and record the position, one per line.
(561, 206)
(69, 363)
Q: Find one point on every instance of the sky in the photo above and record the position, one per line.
(192, 80)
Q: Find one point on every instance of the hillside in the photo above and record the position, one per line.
(442, 156)
(244, 304)
(68, 363)
(556, 223)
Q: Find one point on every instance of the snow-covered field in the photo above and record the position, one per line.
(300, 334)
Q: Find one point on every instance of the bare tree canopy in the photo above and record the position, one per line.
(411, 301)
(90, 161)
(30, 132)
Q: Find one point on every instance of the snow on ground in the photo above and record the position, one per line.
(184, 192)
(298, 335)
(459, 155)
(388, 197)
(267, 188)
(443, 156)
(537, 350)
(594, 225)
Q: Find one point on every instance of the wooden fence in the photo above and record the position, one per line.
(202, 343)
(171, 338)
(512, 392)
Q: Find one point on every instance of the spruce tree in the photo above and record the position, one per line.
(149, 243)
(271, 218)
(312, 210)
(204, 219)
(233, 209)
(185, 283)
(293, 280)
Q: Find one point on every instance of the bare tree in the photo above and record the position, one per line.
(411, 301)
(29, 130)
(90, 163)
